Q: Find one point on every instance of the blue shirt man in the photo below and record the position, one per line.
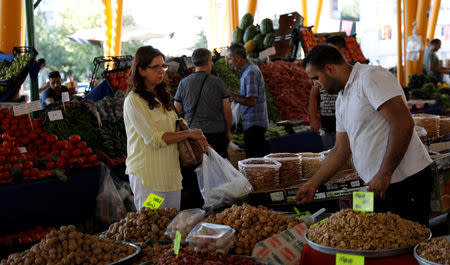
(53, 93)
(253, 102)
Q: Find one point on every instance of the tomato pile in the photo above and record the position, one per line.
(25, 237)
(119, 80)
(29, 153)
(308, 39)
(290, 86)
(354, 50)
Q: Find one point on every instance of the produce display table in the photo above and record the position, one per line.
(308, 141)
(49, 202)
(435, 110)
(312, 257)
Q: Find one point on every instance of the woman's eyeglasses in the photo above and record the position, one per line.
(157, 67)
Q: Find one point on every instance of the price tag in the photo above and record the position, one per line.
(277, 196)
(20, 109)
(267, 52)
(65, 96)
(55, 115)
(23, 149)
(34, 106)
(176, 242)
(363, 201)
(347, 259)
(153, 201)
(300, 214)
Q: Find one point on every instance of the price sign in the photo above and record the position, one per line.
(176, 242)
(153, 201)
(300, 214)
(347, 259)
(23, 149)
(55, 115)
(363, 201)
(65, 96)
(34, 106)
(20, 109)
(267, 52)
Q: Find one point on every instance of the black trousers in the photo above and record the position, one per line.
(219, 142)
(409, 198)
(255, 143)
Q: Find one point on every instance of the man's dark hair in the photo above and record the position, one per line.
(337, 41)
(201, 56)
(41, 61)
(435, 42)
(238, 49)
(321, 55)
(54, 74)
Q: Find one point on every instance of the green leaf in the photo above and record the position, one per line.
(61, 176)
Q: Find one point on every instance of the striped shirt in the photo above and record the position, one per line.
(149, 157)
(252, 85)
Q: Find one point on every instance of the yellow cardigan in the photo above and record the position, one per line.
(149, 157)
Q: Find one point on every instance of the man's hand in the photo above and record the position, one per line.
(379, 184)
(315, 125)
(305, 193)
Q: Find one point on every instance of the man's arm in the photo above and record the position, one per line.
(401, 129)
(179, 107)
(251, 101)
(438, 70)
(228, 116)
(313, 108)
(334, 161)
(44, 87)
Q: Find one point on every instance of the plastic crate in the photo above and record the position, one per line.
(116, 63)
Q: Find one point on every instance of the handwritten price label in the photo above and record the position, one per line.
(20, 109)
(65, 96)
(347, 259)
(153, 201)
(363, 201)
(55, 115)
(176, 242)
(34, 106)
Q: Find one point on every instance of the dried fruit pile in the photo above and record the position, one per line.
(194, 257)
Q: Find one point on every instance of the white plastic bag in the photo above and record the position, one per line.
(184, 222)
(414, 46)
(235, 111)
(110, 207)
(219, 182)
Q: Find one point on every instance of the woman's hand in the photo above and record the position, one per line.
(197, 134)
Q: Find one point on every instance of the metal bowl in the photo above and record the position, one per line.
(261, 260)
(423, 261)
(128, 259)
(366, 253)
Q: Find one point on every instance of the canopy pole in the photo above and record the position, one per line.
(422, 21)
(109, 27)
(116, 44)
(410, 11)
(305, 12)
(317, 19)
(399, 44)
(251, 8)
(433, 18)
(11, 24)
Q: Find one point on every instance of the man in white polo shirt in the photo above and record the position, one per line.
(374, 124)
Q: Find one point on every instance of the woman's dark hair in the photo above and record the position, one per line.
(143, 57)
(321, 55)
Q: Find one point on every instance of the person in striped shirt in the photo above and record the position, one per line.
(153, 159)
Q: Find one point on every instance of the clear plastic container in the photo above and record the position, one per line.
(211, 237)
(184, 222)
(311, 162)
(291, 166)
(261, 172)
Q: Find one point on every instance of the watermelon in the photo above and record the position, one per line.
(250, 33)
(266, 26)
(246, 21)
(268, 40)
(238, 36)
(260, 41)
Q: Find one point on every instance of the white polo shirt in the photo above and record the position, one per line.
(368, 87)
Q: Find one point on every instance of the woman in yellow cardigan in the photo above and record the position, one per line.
(153, 160)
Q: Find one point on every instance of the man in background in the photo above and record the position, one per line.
(53, 93)
(431, 62)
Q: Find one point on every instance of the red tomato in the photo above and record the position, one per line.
(6, 137)
(66, 154)
(23, 157)
(25, 140)
(87, 151)
(44, 147)
(76, 152)
(6, 167)
(14, 121)
(60, 162)
(15, 151)
(36, 124)
(75, 139)
(18, 165)
(34, 172)
(2, 158)
(12, 159)
(4, 152)
(72, 160)
(50, 165)
(39, 142)
(52, 138)
(62, 144)
(6, 174)
(1, 167)
(43, 135)
(82, 160)
(7, 145)
(28, 165)
(33, 135)
(71, 146)
(82, 145)
(92, 158)
(27, 172)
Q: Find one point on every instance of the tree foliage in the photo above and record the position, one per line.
(64, 55)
